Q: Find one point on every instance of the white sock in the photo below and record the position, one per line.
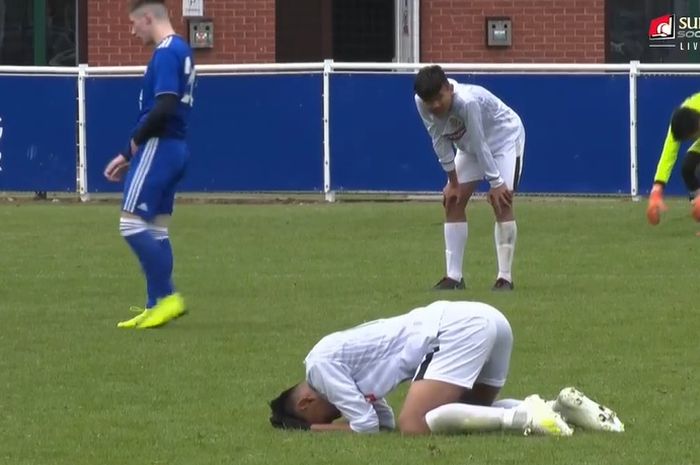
(465, 418)
(507, 403)
(455, 241)
(505, 235)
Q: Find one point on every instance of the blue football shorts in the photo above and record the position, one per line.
(155, 171)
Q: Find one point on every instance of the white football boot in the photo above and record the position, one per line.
(579, 410)
(541, 419)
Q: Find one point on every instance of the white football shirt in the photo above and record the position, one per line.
(478, 123)
(356, 368)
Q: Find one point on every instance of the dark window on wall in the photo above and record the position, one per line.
(38, 32)
(60, 32)
(363, 30)
(344, 30)
(302, 30)
(627, 31)
(16, 32)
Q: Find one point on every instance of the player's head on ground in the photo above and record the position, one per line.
(301, 406)
(147, 18)
(685, 124)
(433, 88)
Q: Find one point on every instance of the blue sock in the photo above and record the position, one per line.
(154, 260)
(161, 235)
(151, 299)
(165, 244)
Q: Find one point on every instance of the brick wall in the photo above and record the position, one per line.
(244, 32)
(451, 31)
(543, 31)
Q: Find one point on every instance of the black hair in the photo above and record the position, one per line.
(429, 81)
(685, 123)
(283, 415)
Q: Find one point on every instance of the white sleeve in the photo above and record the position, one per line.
(442, 146)
(333, 381)
(385, 414)
(477, 143)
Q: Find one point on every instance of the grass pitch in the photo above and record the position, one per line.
(603, 302)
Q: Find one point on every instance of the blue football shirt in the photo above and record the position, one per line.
(170, 71)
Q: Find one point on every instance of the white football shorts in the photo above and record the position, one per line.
(470, 349)
(509, 160)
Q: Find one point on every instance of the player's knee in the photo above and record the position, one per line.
(162, 220)
(159, 233)
(480, 394)
(454, 207)
(130, 225)
(690, 170)
(412, 424)
(159, 227)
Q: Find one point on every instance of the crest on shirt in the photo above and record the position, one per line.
(455, 128)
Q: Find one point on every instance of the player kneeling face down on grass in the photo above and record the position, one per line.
(456, 355)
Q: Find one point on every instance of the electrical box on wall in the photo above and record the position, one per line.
(201, 33)
(499, 32)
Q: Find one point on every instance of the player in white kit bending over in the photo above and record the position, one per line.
(490, 139)
(456, 354)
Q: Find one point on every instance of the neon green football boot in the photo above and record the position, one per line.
(168, 308)
(542, 420)
(133, 322)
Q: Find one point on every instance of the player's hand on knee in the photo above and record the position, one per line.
(116, 168)
(500, 197)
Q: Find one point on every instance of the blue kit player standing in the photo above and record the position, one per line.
(155, 160)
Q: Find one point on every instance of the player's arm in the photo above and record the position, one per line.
(499, 196)
(476, 141)
(333, 381)
(442, 146)
(167, 74)
(342, 426)
(385, 414)
(155, 121)
(667, 159)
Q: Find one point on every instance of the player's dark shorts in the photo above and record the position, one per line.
(154, 173)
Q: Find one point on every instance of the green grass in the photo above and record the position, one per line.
(603, 302)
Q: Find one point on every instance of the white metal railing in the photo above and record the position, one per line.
(502, 67)
(634, 176)
(81, 181)
(634, 69)
(34, 70)
(204, 70)
(327, 191)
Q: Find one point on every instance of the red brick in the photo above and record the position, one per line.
(451, 31)
(544, 31)
(235, 22)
